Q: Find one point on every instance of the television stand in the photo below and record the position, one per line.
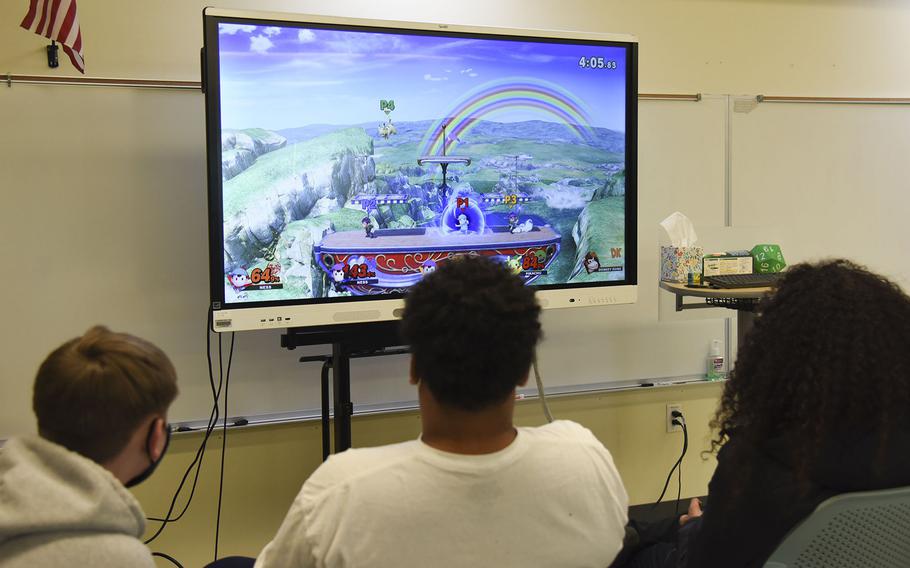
(348, 342)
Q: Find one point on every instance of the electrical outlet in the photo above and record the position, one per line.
(670, 426)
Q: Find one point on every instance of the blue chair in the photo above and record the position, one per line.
(868, 529)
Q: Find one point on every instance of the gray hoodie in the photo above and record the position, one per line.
(59, 509)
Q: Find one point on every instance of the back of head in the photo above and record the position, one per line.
(92, 392)
(473, 327)
(827, 357)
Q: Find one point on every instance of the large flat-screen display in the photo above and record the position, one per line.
(349, 158)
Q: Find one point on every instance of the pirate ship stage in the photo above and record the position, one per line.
(395, 259)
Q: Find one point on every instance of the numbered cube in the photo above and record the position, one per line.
(767, 259)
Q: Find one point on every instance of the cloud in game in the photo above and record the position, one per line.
(533, 57)
(466, 71)
(260, 44)
(367, 43)
(271, 31)
(458, 45)
(428, 77)
(231, 29)
(472, 74)
(306, 36)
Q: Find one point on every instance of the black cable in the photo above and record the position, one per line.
(679, 473)
(680, 421)
(197, 460)
(213, 418)
(167, 557)
(227, 381)
(667, 483)
(200, 452)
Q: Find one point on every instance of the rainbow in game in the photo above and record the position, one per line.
(493, 96)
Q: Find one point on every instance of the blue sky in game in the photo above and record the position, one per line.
(286, 77)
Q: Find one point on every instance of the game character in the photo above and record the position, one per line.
(387, 129)
(514, 264)
(367, 224)
(525, 227)
(338, 276)
(513, 221)
(239, 279)
(428, 267)
(591, 262)
(463, 223)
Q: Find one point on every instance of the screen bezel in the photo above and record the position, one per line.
(262, 314)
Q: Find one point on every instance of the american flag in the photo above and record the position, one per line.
(57, 20)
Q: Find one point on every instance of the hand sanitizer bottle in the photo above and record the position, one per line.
(715, 363)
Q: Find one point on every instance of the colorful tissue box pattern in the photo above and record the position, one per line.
(677, 262)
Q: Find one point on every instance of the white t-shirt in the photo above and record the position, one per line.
(551, 498)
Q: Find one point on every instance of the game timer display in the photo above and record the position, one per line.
(349, 158)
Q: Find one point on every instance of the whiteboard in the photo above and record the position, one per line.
(106, 223)
(829, 180)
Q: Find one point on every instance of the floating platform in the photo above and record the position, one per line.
(505, 198)
(366, 200)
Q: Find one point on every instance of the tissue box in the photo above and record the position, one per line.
(677, 262)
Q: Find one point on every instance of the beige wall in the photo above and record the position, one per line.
(797, 47)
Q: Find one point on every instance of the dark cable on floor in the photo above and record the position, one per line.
(227, 381)
(171, 559)
(200, 452)
(678, 420)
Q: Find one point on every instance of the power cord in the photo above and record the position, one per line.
(227, 381)
(171, 559)
(679, 472)
(540, 391)
(200, 452)
(678, 420)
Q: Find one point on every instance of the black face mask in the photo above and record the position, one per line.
(148, 448)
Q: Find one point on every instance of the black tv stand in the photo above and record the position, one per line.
(348, 342)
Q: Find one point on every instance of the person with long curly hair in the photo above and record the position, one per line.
(817, 405)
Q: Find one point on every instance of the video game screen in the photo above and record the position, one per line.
(354, 161)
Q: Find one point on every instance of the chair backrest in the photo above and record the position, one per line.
(869, 529)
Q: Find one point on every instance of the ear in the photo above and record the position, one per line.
(158, 438)
(412, 372)
(524, 380)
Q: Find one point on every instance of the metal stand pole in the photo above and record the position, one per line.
(341, 393)
(347, 341)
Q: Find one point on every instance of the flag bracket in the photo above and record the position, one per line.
(53, 59)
